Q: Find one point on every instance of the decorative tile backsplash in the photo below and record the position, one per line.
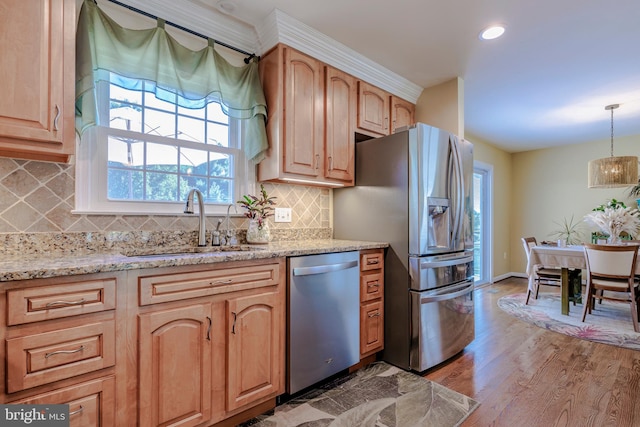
(36, 200)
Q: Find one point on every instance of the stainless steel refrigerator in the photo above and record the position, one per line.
(414, 190)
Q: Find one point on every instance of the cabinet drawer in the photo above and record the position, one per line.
(371, 286)
(180, 286)
(90, 404)
(52, 356)
(371, 260)
(27, 305)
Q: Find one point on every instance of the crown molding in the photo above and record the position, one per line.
(279, 27)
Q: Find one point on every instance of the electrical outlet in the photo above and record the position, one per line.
(282, 215)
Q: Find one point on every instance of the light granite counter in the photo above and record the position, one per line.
(43, 266)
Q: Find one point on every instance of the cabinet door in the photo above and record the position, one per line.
(371, 327)
(254, 348)
(37, 42)
(341, 106)
(402, 113)
(373, 109)
(175, 366)
(304, 114)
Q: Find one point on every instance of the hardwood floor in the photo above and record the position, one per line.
(524, 375)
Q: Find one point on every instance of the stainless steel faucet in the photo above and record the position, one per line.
(188, 209)
(227, 234)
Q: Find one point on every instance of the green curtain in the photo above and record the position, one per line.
(199, 77)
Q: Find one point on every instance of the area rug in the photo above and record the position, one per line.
(379, 395)
(610, 322)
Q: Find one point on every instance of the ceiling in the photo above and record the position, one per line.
(544, 83)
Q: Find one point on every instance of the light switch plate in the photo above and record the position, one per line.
(282, 215)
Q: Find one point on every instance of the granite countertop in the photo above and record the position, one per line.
(41, 266)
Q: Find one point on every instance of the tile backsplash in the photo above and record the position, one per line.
(36, 200)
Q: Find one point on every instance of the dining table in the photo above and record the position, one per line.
(563, 257)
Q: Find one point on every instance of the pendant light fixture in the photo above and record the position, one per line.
(613, 171)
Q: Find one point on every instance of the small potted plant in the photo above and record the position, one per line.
(258, 209)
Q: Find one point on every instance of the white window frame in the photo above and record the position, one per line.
(91, 172)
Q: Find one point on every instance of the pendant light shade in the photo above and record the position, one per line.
(613, 171)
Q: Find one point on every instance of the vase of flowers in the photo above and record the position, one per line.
(614, 219)
(258, 209)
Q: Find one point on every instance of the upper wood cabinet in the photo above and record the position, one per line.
(310, 137)
(37, 42)
(373, 109)
(402, 113)
(380, 113)
(341, 107)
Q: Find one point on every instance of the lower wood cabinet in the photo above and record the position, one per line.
(371, 301)
(202, 360)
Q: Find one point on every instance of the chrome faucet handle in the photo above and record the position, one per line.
(228, 236)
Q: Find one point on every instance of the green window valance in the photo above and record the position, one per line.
(198, 77)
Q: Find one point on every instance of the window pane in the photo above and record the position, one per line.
(220, 191)
(187, 183)
(197, 112)
(194, 162)
(217, 134)
(123, 116)
(162, 157)
(125, 152)
(124, 184)
(161, 187)
(214, 113)
(159, 123)
(220, 165)
(190, 129)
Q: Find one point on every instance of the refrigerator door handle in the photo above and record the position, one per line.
(447, 263)
(459, 188)
(452, 293)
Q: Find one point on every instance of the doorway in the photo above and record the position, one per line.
(482, 196)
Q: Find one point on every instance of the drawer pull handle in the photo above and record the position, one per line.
(53, 353)
(209, 329)
(221, 282)
(233, 327)
(371, 261)
(374, 284)
(65, 303)
(55, 120)
(376, 314)
(76, 411)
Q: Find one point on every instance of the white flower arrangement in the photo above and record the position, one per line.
(615, 220)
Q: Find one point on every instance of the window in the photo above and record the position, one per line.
(151, 152)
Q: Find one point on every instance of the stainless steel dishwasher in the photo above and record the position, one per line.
(324, 317)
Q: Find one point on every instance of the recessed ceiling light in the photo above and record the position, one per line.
(492, 32)
(226, 6)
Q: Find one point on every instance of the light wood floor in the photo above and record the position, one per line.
(524, 375)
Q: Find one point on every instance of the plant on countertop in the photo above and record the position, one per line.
(615, 219)
(569, 231)
(258, 208)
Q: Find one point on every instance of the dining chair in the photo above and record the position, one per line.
(550, 276)
(612, 268)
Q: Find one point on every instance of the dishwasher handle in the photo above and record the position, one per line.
(447, 294)
(326, 268)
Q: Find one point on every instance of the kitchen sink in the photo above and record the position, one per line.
(149, 252)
